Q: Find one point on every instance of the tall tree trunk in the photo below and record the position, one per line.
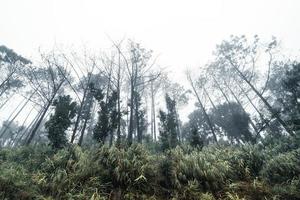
(82, 132)
(78, 116)
(236, 99)
(211, 126)
(7, 100)
(154, 121)
(152, 131)
(178, 128)
(221, 90)
(36, 127)
(137, 119)
(269, 107)
(239, 102)
(28, 127)
(153, 126)
(87, 115)
(259, 113)
(23, 125)
(16, 115)
(130, 130)
(119, 103)
(210, 100)
(7, 78)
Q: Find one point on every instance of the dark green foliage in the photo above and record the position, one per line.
(59, 122)
(234, 121)
(9, 56)
(290, 84)
(249, 172)
(196, 120)
(248, 162)
(107, 114)
(283, 168)
(194, 139)
(140, 121)
(168, 125)
(164, 135)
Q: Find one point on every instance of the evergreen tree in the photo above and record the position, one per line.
(59, 122)
(107, 115)
(195, 140)
(140, 121)
(164, 136)
(290, 100)
(234, 121)
(168, 125)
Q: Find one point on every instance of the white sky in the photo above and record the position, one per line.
(184, 32)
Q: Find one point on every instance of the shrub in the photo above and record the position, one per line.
(247, 161)
(282, 168)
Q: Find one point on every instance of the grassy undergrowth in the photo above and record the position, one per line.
(248, 172)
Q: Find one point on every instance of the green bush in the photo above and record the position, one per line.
(224, 172)
(282, 168)
(247, 161)
(127, 169)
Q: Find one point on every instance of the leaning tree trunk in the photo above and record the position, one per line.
(16, 115)
(211, 126)
(23, 125)
(32, 123)
(239, 102)
(36, 127)
(269, 107)
(78, 116)
(236, 99)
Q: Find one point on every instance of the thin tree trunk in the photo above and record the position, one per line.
(203, 110)
(33, 132)
(82, 132)
(16, 115)
(269, 107)
(7, 78)
(259, 113)
(238, 101)
(137, 119)
(7, 100)
(87, 116)
(154, 121)
(210, 100)
(78, 116)
(221, 90)
(23, 124)
(28, 127)
(36, 127)
(119, 103)
(152, 132)
(178, 128)
(130, 130)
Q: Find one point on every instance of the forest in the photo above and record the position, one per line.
(116, 125)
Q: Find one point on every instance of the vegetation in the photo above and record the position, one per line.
(89, 126)
(248, 172)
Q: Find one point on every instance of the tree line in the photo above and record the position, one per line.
(116, 97)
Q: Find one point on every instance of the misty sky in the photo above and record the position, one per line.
(183, 33)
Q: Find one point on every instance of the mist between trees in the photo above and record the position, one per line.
(121, 103)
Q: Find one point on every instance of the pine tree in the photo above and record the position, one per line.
(168, 125)
(164, 136)
(140, 121)
(107, 115)
(195, 140)
(59, 122)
